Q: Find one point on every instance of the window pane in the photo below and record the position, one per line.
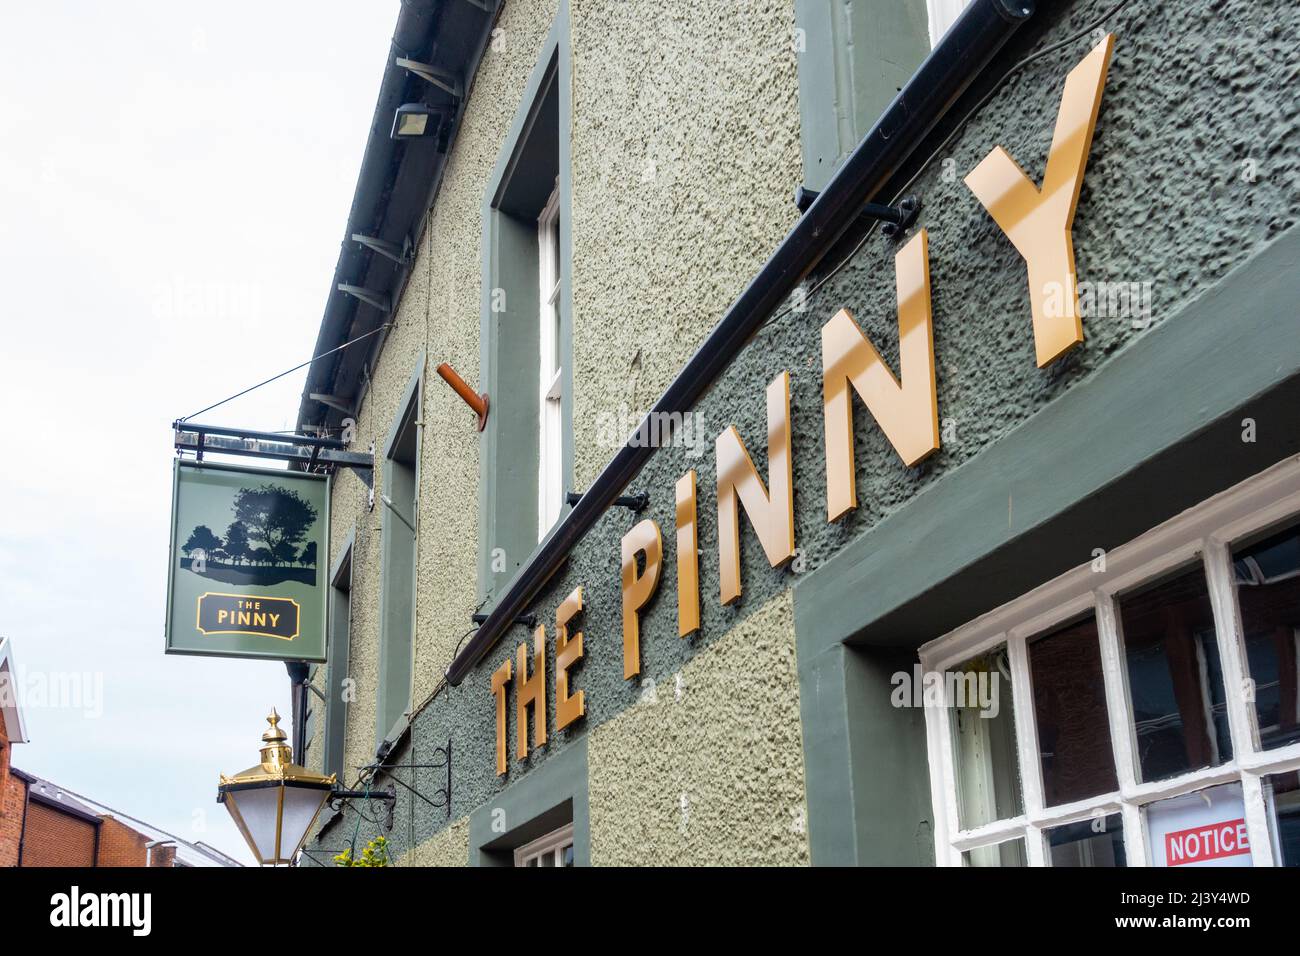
(1206, 828)
(984, 740)
(1268, 594)
(566, 856)
(1175, 678)
(1282, 796)
(1011, 853)
(1098, 842)
(1070, 710)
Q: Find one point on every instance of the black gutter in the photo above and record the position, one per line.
(961, 55)
(394, 192)
(412, 37)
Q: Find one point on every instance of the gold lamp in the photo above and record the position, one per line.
(274, 803)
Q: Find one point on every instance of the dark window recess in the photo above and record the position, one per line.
(1268, 594)
(1070, 709)
(336, 707)
(397, 603)
(1098, 843)
(1282, 792)
(1175, 677)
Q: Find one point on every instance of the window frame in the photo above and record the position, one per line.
(339, 649)
(550, 400)
(397, 622)
(1205, 533)
(508, 341)
(553, 843)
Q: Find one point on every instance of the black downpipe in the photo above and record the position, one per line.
(22, 827)
(960, 56)
(298, 672)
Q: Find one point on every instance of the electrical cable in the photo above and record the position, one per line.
(273, 378)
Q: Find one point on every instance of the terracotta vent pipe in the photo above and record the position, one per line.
(478, 402)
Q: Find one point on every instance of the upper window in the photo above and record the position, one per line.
(1140, 708)
(550, 445)
(853, 58)
(526, 370)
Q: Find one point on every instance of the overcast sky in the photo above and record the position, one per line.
(175, 180)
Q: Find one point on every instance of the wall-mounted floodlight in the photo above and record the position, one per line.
(414, 120)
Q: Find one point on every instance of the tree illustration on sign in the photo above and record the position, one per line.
(262, 542)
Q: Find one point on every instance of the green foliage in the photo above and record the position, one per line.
(374, 854)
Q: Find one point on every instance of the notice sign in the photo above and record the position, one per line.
(1211, 842)
(1201, 829)
(246, 573)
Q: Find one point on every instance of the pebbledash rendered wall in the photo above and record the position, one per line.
(1193, 173)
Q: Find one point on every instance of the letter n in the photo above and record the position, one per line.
(1038, 221)
(770, 512)
(907, 411)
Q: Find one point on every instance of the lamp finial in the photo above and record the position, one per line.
(275, 749)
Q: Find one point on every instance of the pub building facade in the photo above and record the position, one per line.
(708, 526)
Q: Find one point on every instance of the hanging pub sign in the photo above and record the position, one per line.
(246, 573)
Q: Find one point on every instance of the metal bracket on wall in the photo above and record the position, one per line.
(311, 451)
(894, 219)
(637, 502)
(443, 80)
(369, 296)
(389, 250)
(334, 402)
(389, 796)
(441, 760)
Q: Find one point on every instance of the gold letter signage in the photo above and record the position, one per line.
(770, 511)
(905, 406)
(500, 679)
(568, 651)
(1038, 221)
(531, 691)
(644, 537)
(907, 411)
(688, 557)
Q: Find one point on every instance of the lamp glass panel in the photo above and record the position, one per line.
(300, 807)
(258, 808)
